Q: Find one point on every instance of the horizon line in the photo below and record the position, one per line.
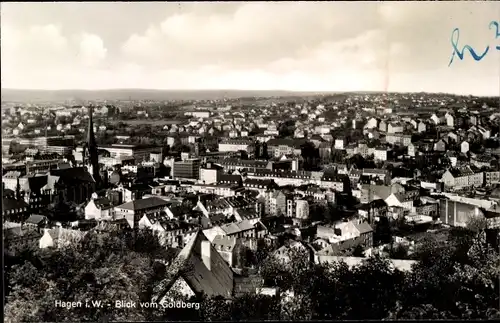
(249, 90)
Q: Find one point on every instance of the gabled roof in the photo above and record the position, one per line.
(102, 203)
(35, 183)
(141, 204)
(228, 243)
(363, 227)
(36, 219)
(216, 281)
(236, 227)
(11, 204)
(72, 174)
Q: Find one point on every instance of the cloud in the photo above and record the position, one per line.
(92, 50)
(255, 34)
(337, 46)
(36, 45)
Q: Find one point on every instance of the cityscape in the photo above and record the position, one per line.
(209, 184)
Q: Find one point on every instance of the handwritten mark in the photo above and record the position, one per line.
(455, 36)
(497, 30)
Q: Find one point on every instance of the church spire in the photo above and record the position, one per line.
(93, 158)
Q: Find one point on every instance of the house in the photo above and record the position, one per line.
(134, 210)
(435, 119)
(382, 126)
(99, 209)
(461, 177)
(440, 145)
(229, 248)
(340, 144)
(395, 127)
(464, 147)
(421, 127)
(171, 232)
(198, 269)
(347, 235)
(260, 185)
(403, 200)
(373, 210)
(450, 119)
(382, 174)
(371, 123)
(60, 237)
(280, 147)
(37, 221)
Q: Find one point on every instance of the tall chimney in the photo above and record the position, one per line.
(205, 253)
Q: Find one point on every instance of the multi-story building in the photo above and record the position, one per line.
(275, 203)
(398, 139)
(134, 210)
(492, 178)
(457, 213)
(280, 147)
(11, 179)
(383, 174)
(42, 142)
(188, 168)
(230, 164)
(340, 144)
(235, 145)
(301, 209)
(139, 152)
(461, 177)
(380, 153)
(210, 173)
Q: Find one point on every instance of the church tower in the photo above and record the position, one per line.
(91, 157)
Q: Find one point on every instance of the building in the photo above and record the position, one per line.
(380, 153)
(492, 177)
(139, 152)
(134, 210)
(208, 273)
(280, 147)
(301, 209)
(228, 248)
(99, 209)
(457, 213)
(210, 173)
(90, 154)
(461, 177)
(235, 145)
(70, 185)
(340, 144)
(187, 169)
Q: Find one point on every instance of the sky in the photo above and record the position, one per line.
(296, 46)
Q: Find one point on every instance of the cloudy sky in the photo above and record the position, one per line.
(277, 46)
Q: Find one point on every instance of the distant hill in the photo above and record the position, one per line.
(140, 94)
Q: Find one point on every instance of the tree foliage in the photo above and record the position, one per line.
(453, 279)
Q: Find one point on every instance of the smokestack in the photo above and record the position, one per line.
(205, 253)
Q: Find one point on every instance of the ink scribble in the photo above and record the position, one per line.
(497, 31)
(455, 36)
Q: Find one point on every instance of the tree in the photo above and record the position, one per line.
(399, 252)
(98, 268)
